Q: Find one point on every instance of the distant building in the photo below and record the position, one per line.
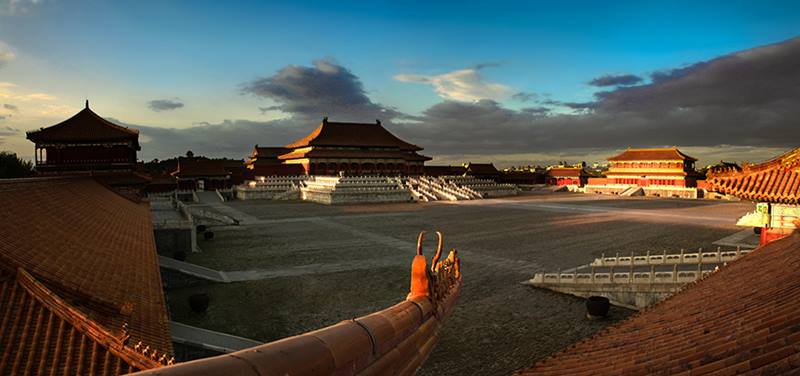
(208, 174)
(567, 175)
(87, 144)
(334, 147)
(264, 161)
(652, 167)
(523, 177)
(482, 170)
(444, 170)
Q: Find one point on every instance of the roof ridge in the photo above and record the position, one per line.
(97, 332)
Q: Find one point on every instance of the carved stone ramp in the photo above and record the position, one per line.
(209, 339)
(193, 269)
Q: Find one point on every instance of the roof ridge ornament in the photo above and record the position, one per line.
(87, 104)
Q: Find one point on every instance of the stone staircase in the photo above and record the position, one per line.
(636, 281)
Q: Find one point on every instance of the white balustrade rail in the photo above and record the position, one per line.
(717, 257)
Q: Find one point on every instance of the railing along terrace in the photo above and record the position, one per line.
(700, 257)
(396, 340)
(677, 277)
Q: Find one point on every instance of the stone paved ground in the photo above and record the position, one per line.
(340, 262)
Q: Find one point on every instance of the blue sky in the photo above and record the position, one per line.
(122, 54)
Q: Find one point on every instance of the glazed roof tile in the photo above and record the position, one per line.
(776, 180)
(363, 154)
(330, 133)
(743, 318)
(90, 245)
(653, 154)
(42, 334)
(85, 126)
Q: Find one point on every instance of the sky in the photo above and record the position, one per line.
(515, 83)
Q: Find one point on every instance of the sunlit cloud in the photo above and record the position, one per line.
(466, 85)
(9, 91)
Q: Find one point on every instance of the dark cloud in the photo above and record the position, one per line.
(748, 98)
(616, 80)
(325, 89)
(524, 96)
(486, 65)
(230, 138)
(264, 110)
(10, 107)
(164, 104)
(745, 99)
(540, 111)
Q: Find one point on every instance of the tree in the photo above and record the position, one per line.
(189, 154)
(12, 166)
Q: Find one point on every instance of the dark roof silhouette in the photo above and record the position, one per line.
(85, 126)
(330, 133)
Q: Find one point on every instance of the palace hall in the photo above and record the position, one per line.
(334, 147)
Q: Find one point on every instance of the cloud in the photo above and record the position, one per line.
(6, 55)
(8, 131)
(467, 85)
(10, 107)
(18, 7)
(616, 80)
(323, 89)
(741, 105)
(229, 138)
(9, 91)
(523, 96)
(748, 98)
(164, 104)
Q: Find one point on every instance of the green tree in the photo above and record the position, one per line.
(12, 166)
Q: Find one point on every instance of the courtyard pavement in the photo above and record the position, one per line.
(302, 266)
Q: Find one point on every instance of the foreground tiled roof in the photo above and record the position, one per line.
(352, 134)
(42, 334)
(744, 318)
(85, 126)
(654, 154)
(394, 341)
(777, 180)
(90, 246)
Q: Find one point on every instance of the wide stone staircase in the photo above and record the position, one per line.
(355, 189)
(271, 187)
(454, 188)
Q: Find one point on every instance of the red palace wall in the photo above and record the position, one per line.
(646, 182)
